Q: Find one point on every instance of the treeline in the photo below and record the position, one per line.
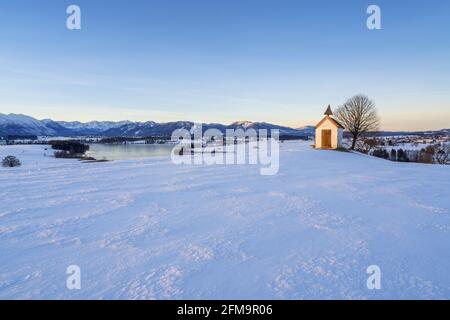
(286, 137)
(18, 137)
(148, 140)
(437, 153)
(68, 148)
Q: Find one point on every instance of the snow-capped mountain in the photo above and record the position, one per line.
(245, 125)
(166, 129)
(152, 128)
(92, 127)
(19, 124)
(23, 125)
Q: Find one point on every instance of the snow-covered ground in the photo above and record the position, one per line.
(148, 229)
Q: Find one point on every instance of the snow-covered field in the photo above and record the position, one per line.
(148, 229)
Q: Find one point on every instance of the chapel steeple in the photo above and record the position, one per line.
(328, 112)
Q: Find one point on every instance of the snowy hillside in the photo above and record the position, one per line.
(147, 229)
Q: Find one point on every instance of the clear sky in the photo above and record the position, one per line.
(225, 60)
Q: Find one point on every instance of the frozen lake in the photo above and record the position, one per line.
(128, 151)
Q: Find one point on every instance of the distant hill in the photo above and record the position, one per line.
(442, 132)
(309, 130)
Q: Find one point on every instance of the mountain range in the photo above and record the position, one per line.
(23, 125)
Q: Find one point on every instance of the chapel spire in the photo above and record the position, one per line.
(328, 112)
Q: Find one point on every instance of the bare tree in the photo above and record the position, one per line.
(366, 145)
(358, 115)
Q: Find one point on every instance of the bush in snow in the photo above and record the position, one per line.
(437, 153)
(442, 153)
(381, 153)
(393, 155)
(402, 156)
(61, 154)
(426, 155)
(10, 162)
(366, 145)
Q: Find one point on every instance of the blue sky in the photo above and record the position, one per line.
(220, 61)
